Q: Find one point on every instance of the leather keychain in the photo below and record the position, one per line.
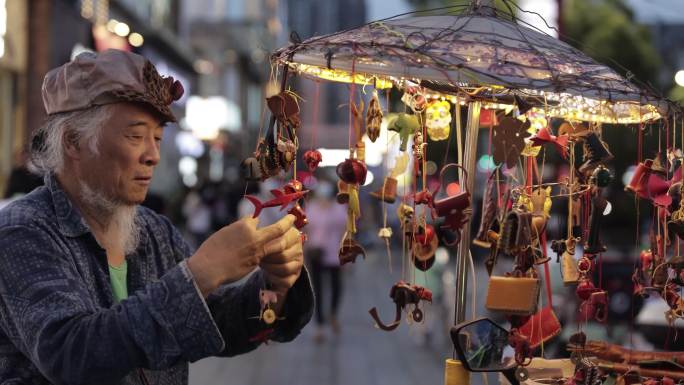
(544, 324)
(455, 209)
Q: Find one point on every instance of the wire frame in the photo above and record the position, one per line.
(477, 55)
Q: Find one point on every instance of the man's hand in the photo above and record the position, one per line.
(234, 251)
(283, 266)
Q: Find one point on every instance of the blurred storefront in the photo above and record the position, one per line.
(43, 34)
(13, 42)
(233, 40)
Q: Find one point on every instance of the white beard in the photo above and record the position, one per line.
(119, 218)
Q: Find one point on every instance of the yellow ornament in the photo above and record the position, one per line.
(438, 120)
(530, 149)
(268, 316)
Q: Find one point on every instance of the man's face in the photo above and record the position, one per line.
(128, 152)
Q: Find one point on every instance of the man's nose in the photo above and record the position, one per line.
(151, 155)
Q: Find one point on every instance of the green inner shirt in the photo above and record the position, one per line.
(117, 277)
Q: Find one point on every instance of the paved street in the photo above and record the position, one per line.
(361, 354)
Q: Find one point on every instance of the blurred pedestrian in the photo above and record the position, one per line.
(96, 289)
(327, 221)
(197, 215)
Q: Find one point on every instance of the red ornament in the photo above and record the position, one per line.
(585, 289)
(312, 158)
(423, 198)
(646, 257)
(426, 236)
(300, 216)
(352, 171)
(293, 186)
(584, 265)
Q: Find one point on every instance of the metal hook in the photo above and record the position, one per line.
(397, 319)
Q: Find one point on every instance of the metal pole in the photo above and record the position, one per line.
(469, 160)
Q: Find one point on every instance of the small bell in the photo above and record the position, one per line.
(268, 316)
(385, 233)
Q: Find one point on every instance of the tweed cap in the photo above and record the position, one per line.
(110, 76)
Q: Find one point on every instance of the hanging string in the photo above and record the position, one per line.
(314, 120)
(459, 134)
(491, 133)
(471, 264)
(640, 141)
(384, 204)
(448, 140)
(351, 103)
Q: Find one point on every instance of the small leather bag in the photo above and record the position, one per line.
(513, 295)
(639, 182)
(516, 233)
(571, 274)
(452, 205)
(544, 324)
(455, 209)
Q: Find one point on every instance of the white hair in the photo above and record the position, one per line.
(47, 144)
(119, 217)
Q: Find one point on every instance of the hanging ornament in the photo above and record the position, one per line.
(487, 118)
(544, 136)
(403, 295)
(438, 120)
(373, 118)
(312, 158)
(530, 150)
(414, 99)
(403, 124)
(424, 247)
(509, 140)
(405, 214)
(385, 233)
(282, 198)
(454, 208)
(285, 109)
(287, 151)
(349, 250)
(601, 177)
(573, 130)
(267, 298)
(352, 171)
(418, 148)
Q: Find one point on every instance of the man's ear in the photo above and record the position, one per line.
(72, 148)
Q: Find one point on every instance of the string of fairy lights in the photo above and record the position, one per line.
(464, 63)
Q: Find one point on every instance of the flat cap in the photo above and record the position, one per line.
(111, 76)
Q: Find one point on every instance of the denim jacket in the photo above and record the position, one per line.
(58, 320)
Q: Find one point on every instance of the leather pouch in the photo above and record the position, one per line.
(513, 295)
(569, 268)
(541, 327)
(516, 233)
(454, 204)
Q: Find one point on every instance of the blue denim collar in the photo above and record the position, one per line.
(70, 221)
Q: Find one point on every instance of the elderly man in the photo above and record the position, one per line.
(95, 289)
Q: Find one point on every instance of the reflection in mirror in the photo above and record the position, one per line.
(485, 346)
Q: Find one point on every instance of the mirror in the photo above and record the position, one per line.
(483, 345)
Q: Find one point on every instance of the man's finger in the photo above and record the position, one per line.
(283, 243)
(292, 252)
(277, 229)
(282, 269)
(252, 222)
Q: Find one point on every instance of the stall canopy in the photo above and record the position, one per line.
(479, 54)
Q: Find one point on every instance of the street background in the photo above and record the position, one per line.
(219, 50)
